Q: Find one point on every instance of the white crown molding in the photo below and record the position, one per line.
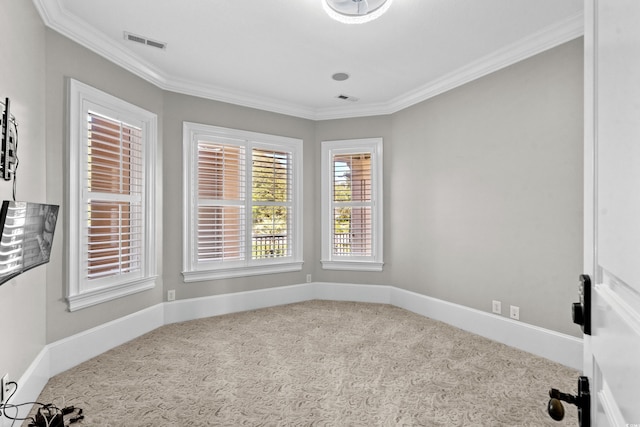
(238, 98)
(54, 16)
(351, 111)
(548, 38)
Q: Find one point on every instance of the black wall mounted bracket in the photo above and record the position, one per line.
(8, 155)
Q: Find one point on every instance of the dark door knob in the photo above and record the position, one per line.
(555, 409)
(582, 400)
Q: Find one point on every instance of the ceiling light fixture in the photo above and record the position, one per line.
(356, 11)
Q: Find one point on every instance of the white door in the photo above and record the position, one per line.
(612, 209)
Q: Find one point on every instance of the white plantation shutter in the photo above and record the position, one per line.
(221, 202)
(114, 238)
(111, 211)
(272, 203)
(241, 200)
(352, 205)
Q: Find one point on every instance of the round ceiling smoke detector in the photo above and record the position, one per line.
(340, 77)
(355, 11)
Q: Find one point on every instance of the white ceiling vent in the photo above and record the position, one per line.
(347, 98)
(143, 40)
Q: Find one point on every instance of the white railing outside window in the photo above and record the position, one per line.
(352, 205)
(242, 203)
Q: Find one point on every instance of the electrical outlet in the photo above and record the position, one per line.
(496, 307)
(308, 278)
(514, 313)
(3, 388)
(171, 295)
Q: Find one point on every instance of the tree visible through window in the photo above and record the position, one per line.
(271, 183)
(352, 225)
(351, 188)
(221, 180)
(246, 189)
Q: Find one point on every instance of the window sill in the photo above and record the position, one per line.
(97, 296)
(352, 265)
(227, 273)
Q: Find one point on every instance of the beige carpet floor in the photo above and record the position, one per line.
(317, 363)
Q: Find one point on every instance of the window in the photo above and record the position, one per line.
(352, 205)
(112, 149)
(242, 205)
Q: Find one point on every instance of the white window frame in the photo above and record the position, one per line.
(81, 292)
(193, 270)
(330, 149)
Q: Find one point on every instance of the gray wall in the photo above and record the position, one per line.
(66, 59)
(362, 127)
(22, 299)
(483, 186)
(483, 191)
(180, 108)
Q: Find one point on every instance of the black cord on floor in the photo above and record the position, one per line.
(48, 415)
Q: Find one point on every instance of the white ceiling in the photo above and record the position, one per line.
(279, 55)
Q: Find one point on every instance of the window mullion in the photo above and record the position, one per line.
(121, 159)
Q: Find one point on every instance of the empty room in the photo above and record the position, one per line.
(319, 212)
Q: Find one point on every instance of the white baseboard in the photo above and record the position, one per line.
(216, 305)
(69, 352)
(64, 354)
(30, 384)
(561, 348)
(357, 293)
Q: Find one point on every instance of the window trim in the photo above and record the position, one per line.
(193, 271)
(83, 98)
(352, 146)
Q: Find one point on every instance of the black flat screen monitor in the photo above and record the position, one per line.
(27, 236)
